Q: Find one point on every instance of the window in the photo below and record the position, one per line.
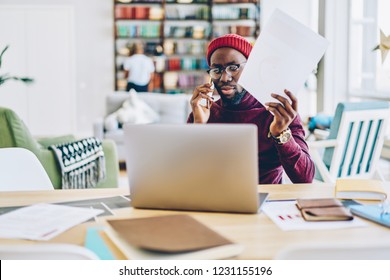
(368, 76)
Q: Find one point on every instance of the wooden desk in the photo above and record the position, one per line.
(260, 236)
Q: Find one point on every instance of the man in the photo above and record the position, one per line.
(280, 132)
(139, 69)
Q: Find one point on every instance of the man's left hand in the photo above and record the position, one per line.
(284, 112)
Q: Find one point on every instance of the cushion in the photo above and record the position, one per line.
(172, 108)
(111, 122)
(133, 110)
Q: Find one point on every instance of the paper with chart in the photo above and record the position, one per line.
(43, 221)
(286, 216)
(284, 55)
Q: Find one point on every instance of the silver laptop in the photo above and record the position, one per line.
(211, 167)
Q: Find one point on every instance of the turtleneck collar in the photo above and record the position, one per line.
(247, 102)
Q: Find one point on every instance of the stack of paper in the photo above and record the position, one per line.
(43, 221)
(283, 57)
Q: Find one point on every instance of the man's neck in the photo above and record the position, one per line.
(235, 101)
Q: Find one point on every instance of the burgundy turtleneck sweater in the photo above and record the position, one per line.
(293, 156)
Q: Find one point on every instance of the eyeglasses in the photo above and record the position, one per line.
(231, 70)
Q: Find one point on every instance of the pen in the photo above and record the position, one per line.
(280, 200)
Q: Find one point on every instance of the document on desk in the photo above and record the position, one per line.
(43, 221)
(286, 216)
(284, 55)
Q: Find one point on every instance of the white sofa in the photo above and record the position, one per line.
(171, 108)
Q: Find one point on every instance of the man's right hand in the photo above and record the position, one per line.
(201, 113)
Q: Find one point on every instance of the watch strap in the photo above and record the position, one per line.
(277, 139)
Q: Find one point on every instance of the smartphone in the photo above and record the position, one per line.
(205, 102)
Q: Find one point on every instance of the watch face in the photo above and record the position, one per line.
(285, 136)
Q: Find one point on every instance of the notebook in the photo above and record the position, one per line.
(364, 189)
(373, 213)
(323, 209)
(169, 237)
(211, 167)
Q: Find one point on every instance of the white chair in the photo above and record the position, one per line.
(354, 144)
(335, 251)
(20, 170)
(49, 251)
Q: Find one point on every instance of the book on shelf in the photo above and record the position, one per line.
(169, 237)
(365, 189)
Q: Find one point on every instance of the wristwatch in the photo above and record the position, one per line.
(283, 137)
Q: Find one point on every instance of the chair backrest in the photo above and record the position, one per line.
(20, 170)
(359, 128)
(52, 251)
(334, 251)
(14, 132)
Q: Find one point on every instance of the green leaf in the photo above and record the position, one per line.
(1, 55)
(23, 79)
(4, 78)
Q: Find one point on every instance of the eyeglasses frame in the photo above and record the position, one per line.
(223, 69)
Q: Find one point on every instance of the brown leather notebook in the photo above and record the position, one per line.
(324, 209)
(318, 202)
(168, 234)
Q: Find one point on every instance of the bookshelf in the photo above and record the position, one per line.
(176, 34)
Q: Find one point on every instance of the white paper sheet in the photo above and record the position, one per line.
(284, 55)
(43, 221)
(287, 217)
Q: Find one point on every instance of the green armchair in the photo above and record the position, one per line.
(14, 133)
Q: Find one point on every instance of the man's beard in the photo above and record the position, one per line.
(227, 102)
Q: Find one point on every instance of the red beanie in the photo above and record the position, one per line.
(233, 41)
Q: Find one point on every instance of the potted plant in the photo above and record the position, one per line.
(6, 77)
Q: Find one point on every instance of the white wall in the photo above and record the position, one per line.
(41, 61)
(305, 11)
(93, 56)
(333, 82)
